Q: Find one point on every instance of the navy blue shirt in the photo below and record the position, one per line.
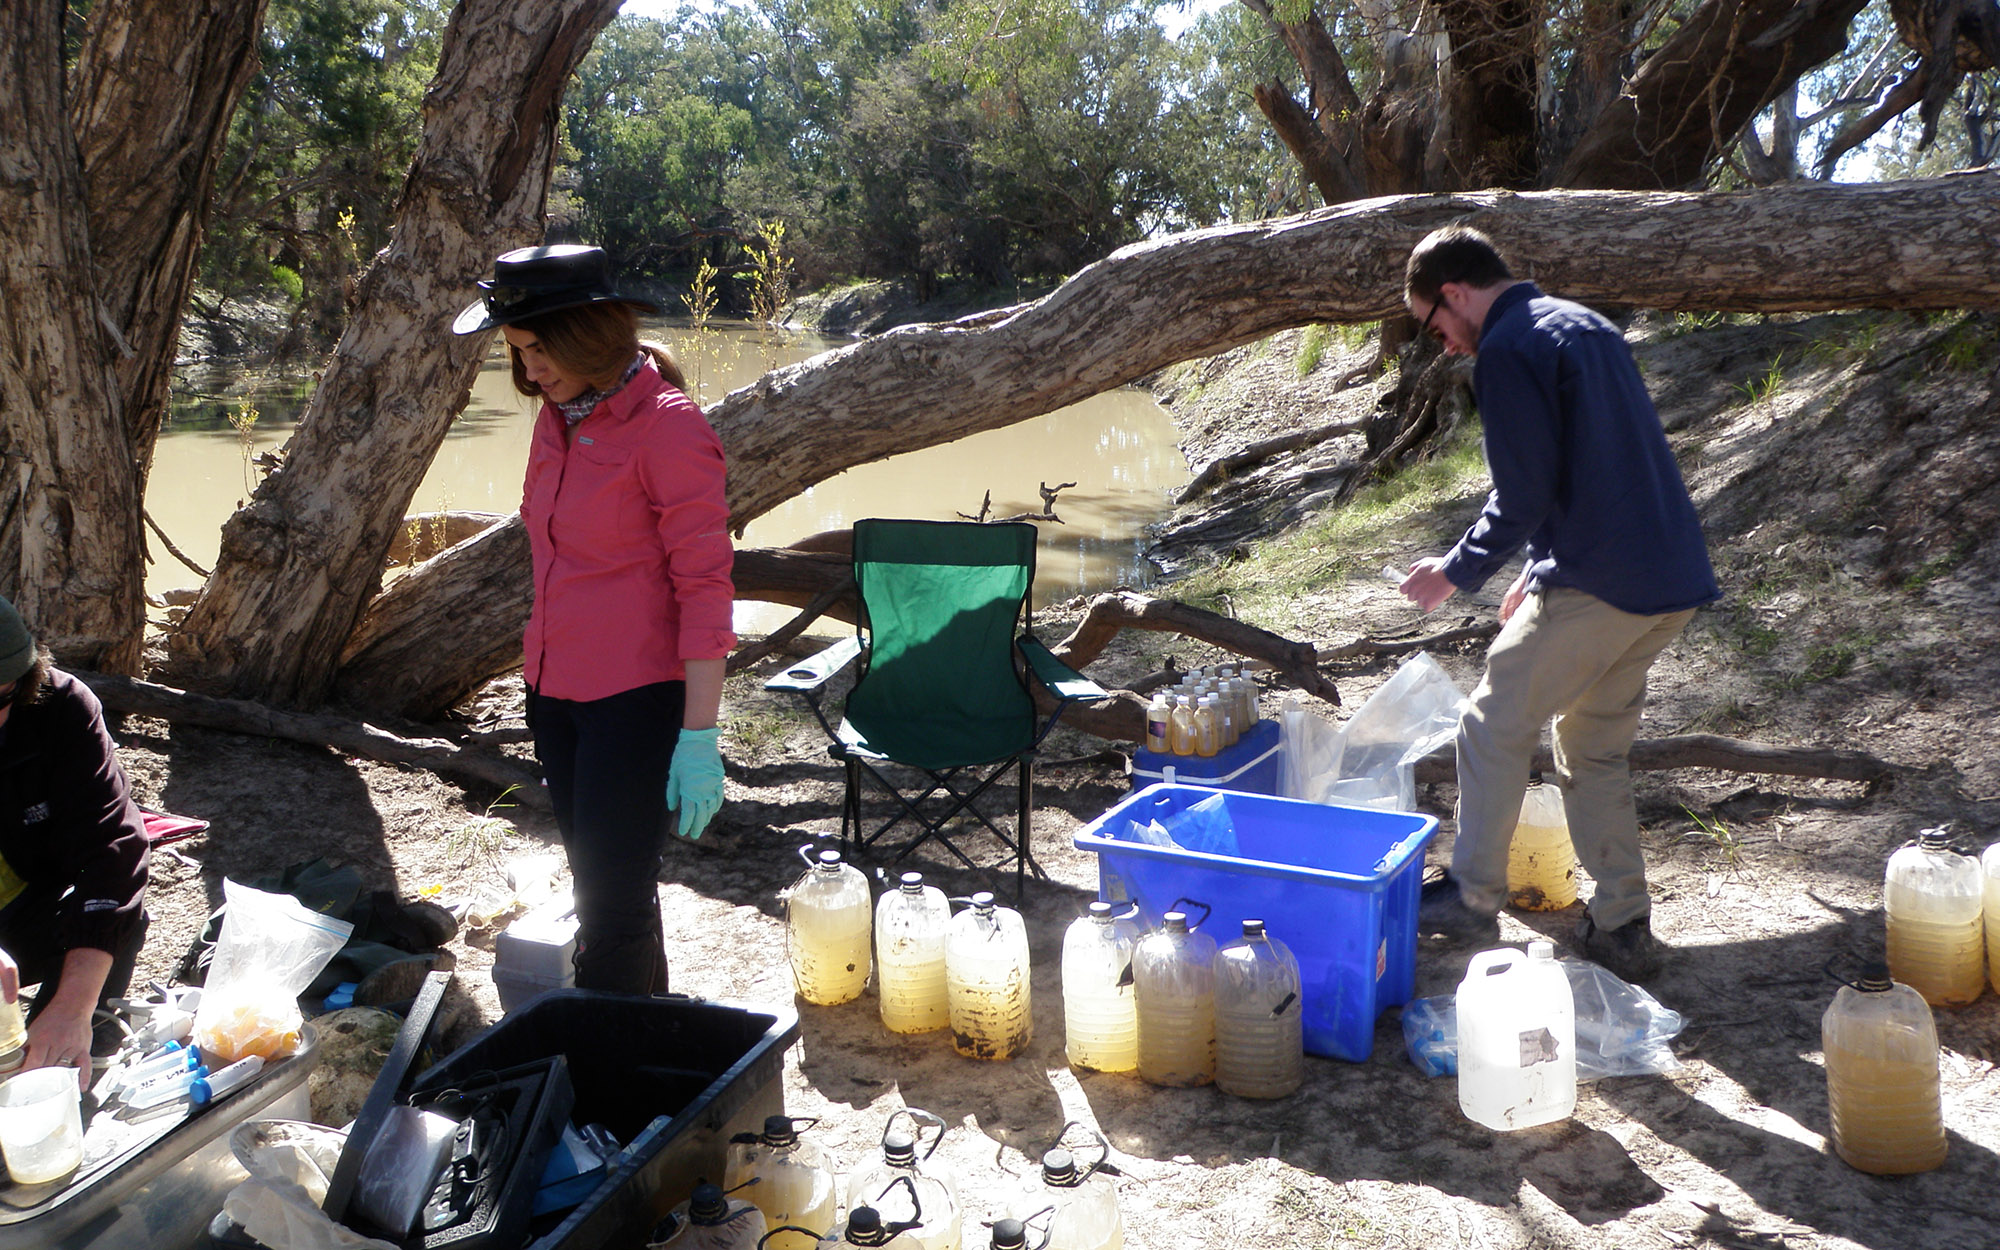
(1582, 474)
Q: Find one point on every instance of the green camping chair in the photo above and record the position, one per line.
(940, 690)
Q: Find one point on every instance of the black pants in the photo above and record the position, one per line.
(29, 928)
(606, 764)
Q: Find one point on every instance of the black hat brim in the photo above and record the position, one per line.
(476, 317)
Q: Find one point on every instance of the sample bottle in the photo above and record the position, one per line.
(1541, 862)
(1882, 1076)
(906, 1189)
(1159, 725)
(1181, 736)
(1207, 727)
(1259, 1019)
(1934, 898)
(793, 1184)
(910, 926)
(1078, 1206)
(709, 1220)
(828, 915)
(1173, 974)
(1100, 1006)
(864, 1226)
(13, 1036)
(1989, 866)
(1516, 1039)
(986, 978)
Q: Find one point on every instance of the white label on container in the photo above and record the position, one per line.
(1537, 1046)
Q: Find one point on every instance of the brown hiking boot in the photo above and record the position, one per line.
(1630, 951)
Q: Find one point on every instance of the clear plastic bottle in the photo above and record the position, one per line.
(1541, 862)
(1078, 1206)
(1246, 695)
(910, 926)
(1182, 736)
(828, 917)
(1989, 866)
(1100, 1006)
(1516, 1039)
(13, 1036)
(1259, 1019)
(1173, 974)
(865, 1226)
(1934, 898)
(1882, 1076)
(709, 1221)
(986, 975)
(793, 1184)
(1159, 725)
(1207, 727)
(904, 1188)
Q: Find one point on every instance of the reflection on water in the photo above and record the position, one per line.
(1119, 449)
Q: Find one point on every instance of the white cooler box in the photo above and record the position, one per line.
(532, 955)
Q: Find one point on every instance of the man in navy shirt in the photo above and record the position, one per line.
(1583, 479)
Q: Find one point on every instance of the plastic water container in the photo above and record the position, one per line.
(1882, 1076)
(794, 1186)
(1989, 866)
(41, 1125)
(1934, 898)
(986, 977)
(709, 1221)
(907, 1188)
(1100, 1005)
(828, 918)
(865, 1226)
(1259, 1044)
(911, 922)
(1516, 1039)
(1077, 1206)
(1541, 862)
(1173, 972)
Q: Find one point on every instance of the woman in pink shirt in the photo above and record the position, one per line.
(631, 619)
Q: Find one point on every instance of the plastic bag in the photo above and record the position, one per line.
(1621, 1030)
(270, 949)
(1204, 827)
(1414, 713)
(289, 1163)
(1312, 745)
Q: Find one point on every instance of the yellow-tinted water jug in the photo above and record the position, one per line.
(986, 978)
(1541, 862)
(828, 918)
(1989, 870)
(1100, 1005)
(911, 922)
(1259, 1020)
(907, 1187)
(1071, 1206)
(709, 1221)
(792, 1186)
(1882, 1076)
(1173, 971)
(1934, 898)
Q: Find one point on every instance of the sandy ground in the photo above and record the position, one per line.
(1730, 1150)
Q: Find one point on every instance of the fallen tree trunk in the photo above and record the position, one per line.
(350, 737)
(1737, 755)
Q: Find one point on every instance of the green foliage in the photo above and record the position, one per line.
(1765, 385)
(1312, 347)
(289, 281)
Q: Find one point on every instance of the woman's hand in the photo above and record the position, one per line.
(694, 780)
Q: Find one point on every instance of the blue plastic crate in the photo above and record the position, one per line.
(1254, 764)
(1338, 885)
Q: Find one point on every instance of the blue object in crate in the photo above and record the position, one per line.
(1253, 764)
(1338, 885)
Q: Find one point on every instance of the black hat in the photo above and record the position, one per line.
(530, 281)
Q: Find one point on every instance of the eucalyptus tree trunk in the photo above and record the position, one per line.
(1782, 249)
(155, 85)
(70, 540)
(301, 561)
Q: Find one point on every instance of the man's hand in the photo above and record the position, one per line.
(1516, 594)
(1427, 585)
(60, 1034)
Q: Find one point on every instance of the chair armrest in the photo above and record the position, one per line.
(810, 674)
(1058, 678)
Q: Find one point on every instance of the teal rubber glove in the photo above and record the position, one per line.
(694, 780)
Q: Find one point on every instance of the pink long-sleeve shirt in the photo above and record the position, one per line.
(629, 532)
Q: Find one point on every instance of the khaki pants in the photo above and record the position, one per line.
(1571, 656)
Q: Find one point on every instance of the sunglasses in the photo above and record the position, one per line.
(1426, 327)
(501, 298)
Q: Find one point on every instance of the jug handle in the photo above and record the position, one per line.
(1103, 1163)
(765, 1240)
(916, 1206)
(1048, 1229)
(1206, 912)
(1488, 963)
(918, 1118)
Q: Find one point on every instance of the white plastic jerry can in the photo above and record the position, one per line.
(1516, 1039)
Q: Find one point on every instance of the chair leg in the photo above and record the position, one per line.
(1024, 830)
(850, 811)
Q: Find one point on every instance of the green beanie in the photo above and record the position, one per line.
(17, 648)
